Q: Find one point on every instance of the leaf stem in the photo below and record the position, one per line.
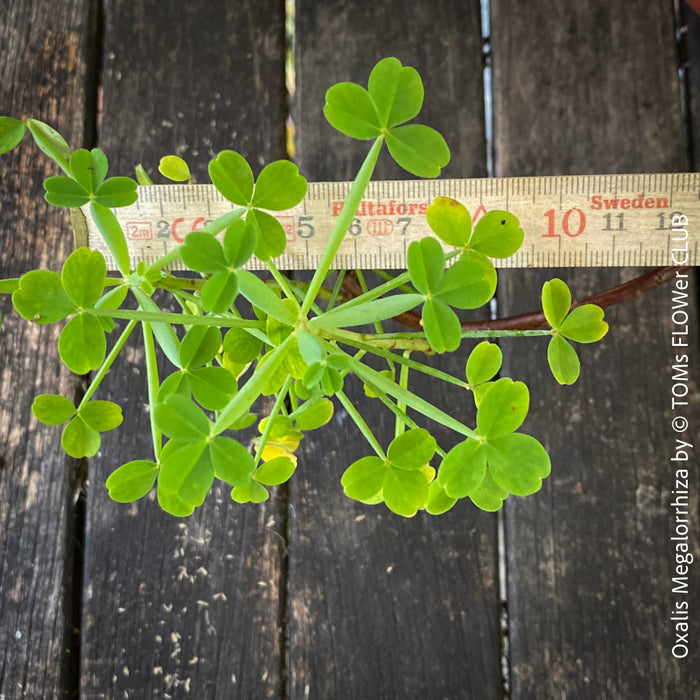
(270, 419)
(361, 424)
(153, 385)
(282, 282)
(342, 223)
(109, 360)
(180, 319)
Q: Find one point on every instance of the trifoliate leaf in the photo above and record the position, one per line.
(40, 297)
(426, 264)
(101, 415)
(488, 496)
(174, 168)
(181, 419)
(441, 325)
(80, 440)
(503, 408)
(518, 463)
(556, 301)
(463, 469)
(584, 324)
(438, 501)
(82, 344)
(88, 173)
(132, 480)
(419, 149)
(450, 221)
(83, 276)
(404, 492)
(363, 479)
(484, 363)
(412, 449)
(279, 186)
(497, 234)
(397, 92)
(11, 133)
(276, 471)
(563, 360)
(199, 346)
(350, 109)
(52, 409)
(232, 176)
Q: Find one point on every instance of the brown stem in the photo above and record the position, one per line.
(535, 319)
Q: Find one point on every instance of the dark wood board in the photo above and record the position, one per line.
(176, 606)
(579, 88)
(381, 606)
(43, 74)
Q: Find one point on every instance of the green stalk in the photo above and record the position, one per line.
(361, 424)
(109, 360)
(403, 383)
(244, 399)
(153, 385)
(268, 427)
(282, 282)
(336, 289)
(180, 319)
(343, 223)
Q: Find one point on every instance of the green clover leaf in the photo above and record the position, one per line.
(563, 360)
(275, 472)
(11, 133)
(314, 414)
(517, 463)
(438, 501)
(79, 439)
(584, 324)
(488, 496)
(503, 408)
(556, 301)
(412, 449)
(182, 420)
(83, 277)
(363, 479)
(240, 346)
(497, 234)
(132, 480)
(50, 142)
(52, 409)
(395, 96)
(463, 469)
(450, 221)
(174, 168)
(82, 344)
(101, 415)
(41, 298)
(251, 492)
(484, 362)
(186, 475)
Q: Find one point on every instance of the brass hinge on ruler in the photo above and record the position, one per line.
(569, 221)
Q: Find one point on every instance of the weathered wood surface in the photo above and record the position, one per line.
(590, 559)
(311, 596)
(379, 606)
(44, 73)
(191, 605)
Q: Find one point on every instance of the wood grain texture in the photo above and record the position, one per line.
(580, 88)
(43, 74)
(381, 606)
(182, 606)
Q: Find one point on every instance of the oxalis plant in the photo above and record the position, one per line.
(300, 342)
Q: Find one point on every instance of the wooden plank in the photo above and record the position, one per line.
(43, 74)
(171, 605)
(380, 606)
(592, 87)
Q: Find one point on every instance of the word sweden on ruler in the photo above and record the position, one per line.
(569, 221)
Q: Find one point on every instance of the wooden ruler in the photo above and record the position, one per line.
(569, 221)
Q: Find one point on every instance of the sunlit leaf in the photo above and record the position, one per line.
(219, 292)
(212, 387)
(584, 324)
(276, 471)
(83, 276)
(82, 344)
(450, 221)
(116, 192)
(11, 133)
(488, 496)
(484, 363)
(203, 253)
(563, 360)
(186, 476)
(132, 480)
(62, 191)
(241, 345)
(397, 91)
(251, 492)
(556, 301)
(441, 325)
(199, 346)
(463, 469)
(50, 142)
(503, 408)
(181, 419)
(463, 286)
(279, 186)
(174, 168)
(419, 149)
(364, 478)
(405, 492)
(518, 463)
(52, 409)
(232, 176)
(314, 414)
(101, 415)
(350, 109)
(412, 449)
(497, 234)
(426, 264)
(80, 440)
(438, 501)
(40, 297)
(271, 239)
(232, 462)
(239, 242)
